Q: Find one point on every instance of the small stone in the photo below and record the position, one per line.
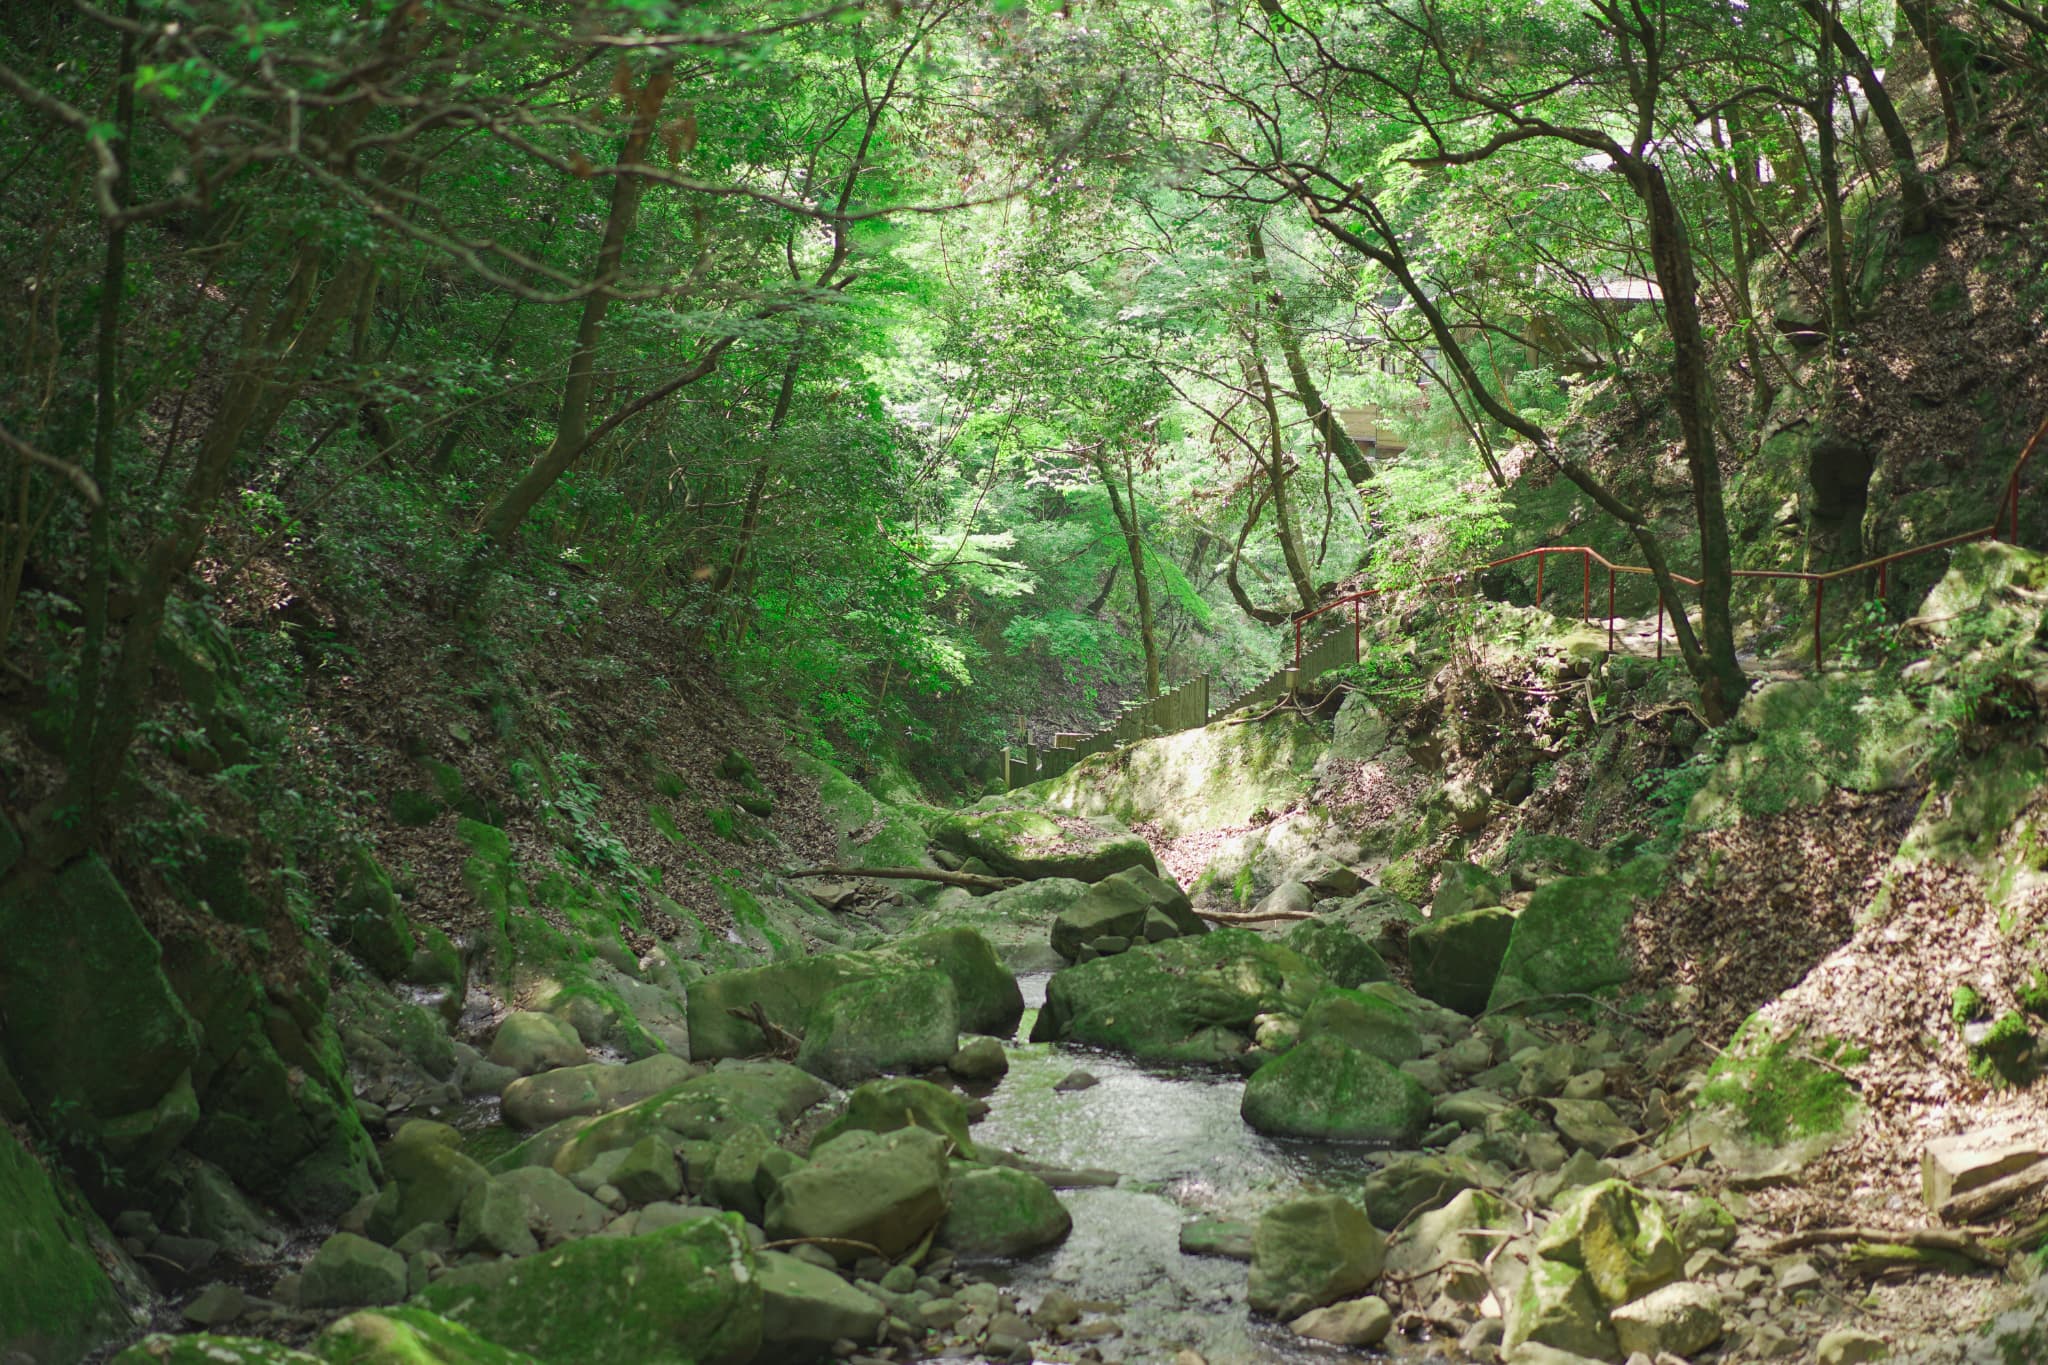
(1056, 1310)
(528, 1042)
(1188, 1358)
(1850, 1346)
(1217, 1237)
(1471, 1054)
(1111, 944)
(1587, 1085)
(1007, 1332)
(187, 1253)
(941, 1313)
(1355, 1322)
(215, 1306)
(1592, 1126)
(648, 1174)
(352, 1272)
(1680, 1319)
(1795, 1273)
(900, 1279)
(1076, 1080)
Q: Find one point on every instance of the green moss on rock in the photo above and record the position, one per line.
(1324, 1088)
(56, 1302)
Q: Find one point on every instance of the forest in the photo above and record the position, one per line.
(1007, 680)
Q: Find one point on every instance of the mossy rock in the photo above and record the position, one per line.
(367, 920)
(1617, 1235)
(1184, 1000)
(887, 1190)
(1029, 843)
(56, 1301)
(96, 1031)
(903, 1102)
(1455, 959)
(987, 994)
(904, 1021)
(1205, 778)
(1325, 1088)
(770, 1096)
(1312, 1251)
(1573, 936)
(410, 1336)
(1370, 1023)
(1766, 1109)
(414, 808)
(999, 1213)
(1343, 956)
(1466, 886)
(686, 1295)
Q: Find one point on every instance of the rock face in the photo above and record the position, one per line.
(528, 1043)
(899, 1022)
(1327, 1089)
(1456, 959)
(885, 1189)
(1185, 1000)
(1310, 1252)
(1019, 842)
(787, 992)
(573, 1091)
(689, 1293)
(999, 1212)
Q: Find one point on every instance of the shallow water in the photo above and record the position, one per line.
(1176, 1138)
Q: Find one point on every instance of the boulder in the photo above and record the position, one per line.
(979, 1060)
(429, 1181)
(1217, 1237)
(1035, 843)
(1186, 1000)
(596, 1088)
(496, 1217)
(896, 1022)
(1555, 1305)
(1950, 1166)
(560, 1210)
(1573, 935)
(1135, 904)
(1370, 1023)
(1310, 1252)
(648, 1173)
(1850, 1346)
(997, 1212)
(806, 1308)
(1619, 1237)
(1441, 1251)
(1456, 959)
(1591, 1126)
(1324, 1088)
(768, 1095)
(1418, 1181)
(903, 1102)
(1354, 1323)
(527, 1042)
(352, 1272)
(366, 919)
(1679, 1319)
(787, 992)
(1463, 887)
(1346, 958)
(686, 1294)
(884, 1189)
(409, 1336)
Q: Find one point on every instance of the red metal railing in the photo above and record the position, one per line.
(2007, 515)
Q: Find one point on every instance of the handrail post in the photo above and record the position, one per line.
(1660, 623)
(1610, 608)
(1586, 607)
(1357, 649)
(1539, 577)
(1297, 642)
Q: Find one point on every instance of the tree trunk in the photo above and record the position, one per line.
(1929, 31)
(571, 437)
(1276, 475)
(1841, 308)
(1126, 509)
(1692, 395)
(1913, 197)
(1336, 440)
(1265, 616)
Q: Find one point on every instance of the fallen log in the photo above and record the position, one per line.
(1883, 1246)
(972, 881)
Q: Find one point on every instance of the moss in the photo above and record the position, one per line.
(2006, 1052)
(1406, 879)
(1780, 1088)
(55, 1301)
(665, 825)
(669, 784)
(414, 808)
(725, 824)
(1963, 1004)
(1327, 1089)
(2033, 993)
(409, 1336)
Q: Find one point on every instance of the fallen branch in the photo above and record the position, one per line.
(1959, 1241)
(973, 881)
(869, 1247)
(781, 1042)
(1252, 916)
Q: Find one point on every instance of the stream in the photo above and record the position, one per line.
(1176, 1138)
